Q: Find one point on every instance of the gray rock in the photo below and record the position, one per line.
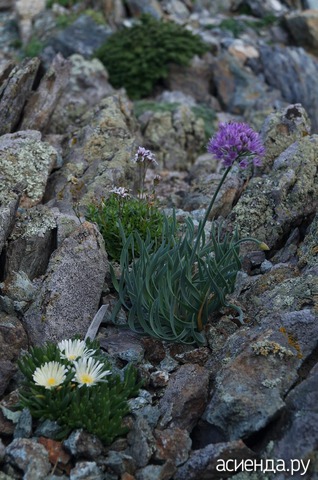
(257, 361)
(82, 444)
(157, 472)
(70, 292)
(176, 137)
(203, 462)
(303, 27)
(139, 7)
(185, 397)
(24, 425)
(125, 345)
(87, 85)
(14, 92)
(119, 463)
(273, 205)
(301, 402)
(31, 243)
(84, 36)
(86, 471)
(281, 129)
(9, 202)
(12, 339)
(295, 73)
(239, 91)
(172, 444)
(99, 156)
(260, 9)
(141, 442)
(27, 160)
(29, 456)
(40, 106)
(308, 249)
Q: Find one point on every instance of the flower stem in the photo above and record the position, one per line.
(207, 213)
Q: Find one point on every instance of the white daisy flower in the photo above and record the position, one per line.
(50, 375)
(89, 371)
(73, 349)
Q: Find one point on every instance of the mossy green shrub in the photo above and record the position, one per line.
(73, 384)
(137, 58)
(132, 215)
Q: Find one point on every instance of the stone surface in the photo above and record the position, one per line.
(175, 137)
(41, 104)
(308, 250)
(25, 159)
(30, 457)
(281, 129)
(84, 37)
(86, 471)
(303, 27)
(172, 444)
(98, 157)
(9, 201)
(26, 10)
(125, 345)
(301, 403)
(87, 85)
(139, 7)
(273, 205)
(141, 442)
(157, 472)
(295, 73)
(258, 360)
(69, 294)
(185, 397)
(83, 445)
(31, 242)
(14, 92)
(202, 463)
(12, 339)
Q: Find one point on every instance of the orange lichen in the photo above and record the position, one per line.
(292, 341)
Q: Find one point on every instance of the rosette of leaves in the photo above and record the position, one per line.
(135, 214)
(138, 57)
(99, 409)
(170, 293)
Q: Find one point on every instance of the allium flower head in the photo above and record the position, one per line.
(236, 141)
(89, 371)
(73, 349)
(145, 156)
(120, 191)
(49, 375)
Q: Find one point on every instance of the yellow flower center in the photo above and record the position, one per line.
(72, 357)
(85, 378)
(51, 381)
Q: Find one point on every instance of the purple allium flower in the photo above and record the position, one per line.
(143, 155)
(236, 141)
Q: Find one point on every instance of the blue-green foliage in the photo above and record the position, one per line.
(170, 293)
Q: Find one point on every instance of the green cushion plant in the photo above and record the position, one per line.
(73, 384)
(138, 57)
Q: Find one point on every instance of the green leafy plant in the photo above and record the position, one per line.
(135, 214)
(75, 387)
(170, 293)
(138, 57)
